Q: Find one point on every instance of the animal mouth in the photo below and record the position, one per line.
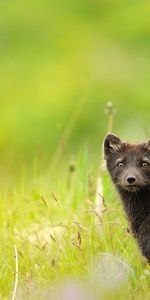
(132, 188)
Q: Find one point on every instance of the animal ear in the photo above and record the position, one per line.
(112, 144)
(147, 145)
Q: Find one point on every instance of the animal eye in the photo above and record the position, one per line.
(145, 164)
(121, 164)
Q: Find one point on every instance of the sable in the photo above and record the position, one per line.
(129, 168)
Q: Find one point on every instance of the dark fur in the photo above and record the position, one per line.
(125, 161)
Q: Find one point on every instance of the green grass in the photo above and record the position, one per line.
(54, 54)
(58, 234)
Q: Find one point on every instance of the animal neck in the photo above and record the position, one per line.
(137, 206)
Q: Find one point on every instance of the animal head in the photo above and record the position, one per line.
(128, 164)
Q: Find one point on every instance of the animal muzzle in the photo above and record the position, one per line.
(132, 180)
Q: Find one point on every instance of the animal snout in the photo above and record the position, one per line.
(131, 179)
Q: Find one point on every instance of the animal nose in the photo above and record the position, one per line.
(131, 179)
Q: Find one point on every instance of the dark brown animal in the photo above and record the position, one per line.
(129, 168)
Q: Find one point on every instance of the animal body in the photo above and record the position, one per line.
(129, 168)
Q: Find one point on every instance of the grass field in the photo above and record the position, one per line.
(59, 236)
(67, 249)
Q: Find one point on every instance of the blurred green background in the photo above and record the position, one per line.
(61, 61)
